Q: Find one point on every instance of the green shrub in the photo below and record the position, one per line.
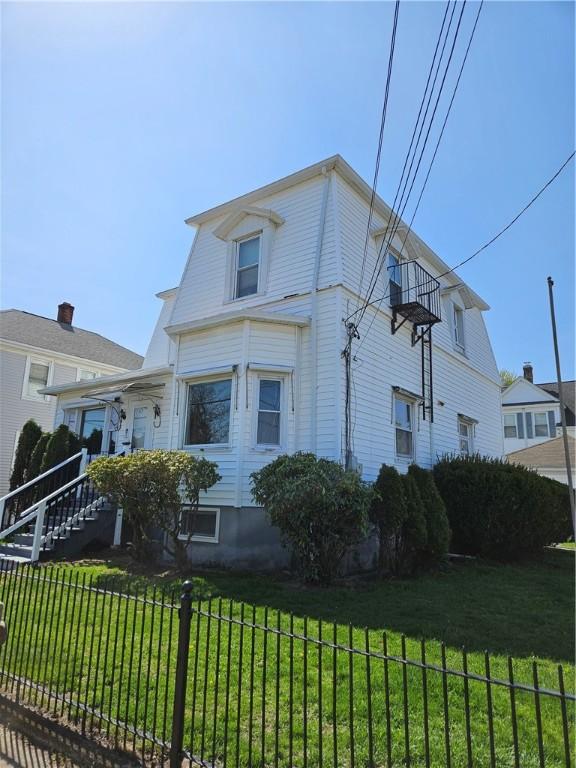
(414, 534)
(29, 436)
(560, 513)
(62, 444)
(437, 525)
(151, 487)
(388, 512)
(35, 463)
(496, 509)
(320, 508)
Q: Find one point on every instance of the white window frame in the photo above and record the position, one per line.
(207, 539)
(283, 413)
(237, 268)
(535, 414)
(471, 427)
(511, 416)
(211, 380)
(30, 359)
(388, 281)
(458, 312)
(411, 403)
(79, 370)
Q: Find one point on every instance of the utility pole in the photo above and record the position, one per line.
(561, 398)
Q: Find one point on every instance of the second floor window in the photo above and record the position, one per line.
(37, 379)
(247, 267)
(459, 326)
(208, 413)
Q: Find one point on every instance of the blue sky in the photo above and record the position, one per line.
(121, 119)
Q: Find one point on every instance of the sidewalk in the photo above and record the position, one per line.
(28, 740)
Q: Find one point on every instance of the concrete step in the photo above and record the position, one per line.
(17, 550)
(8, 562)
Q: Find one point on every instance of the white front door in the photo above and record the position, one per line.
(140, 426)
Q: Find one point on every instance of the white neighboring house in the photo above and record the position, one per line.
(37, 351)
(531, 412)
(246, 361)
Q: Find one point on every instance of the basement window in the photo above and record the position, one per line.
(204, 524)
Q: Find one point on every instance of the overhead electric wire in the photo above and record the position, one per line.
(380, 141)
(443, 126)
(492, 239)
(422, 102)
(398, 216)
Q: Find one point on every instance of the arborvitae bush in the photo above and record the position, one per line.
(62, 444)
(35, 464)
(437, 525)
(499, 510)
(29, 436)
(388, 512)
(414, 535)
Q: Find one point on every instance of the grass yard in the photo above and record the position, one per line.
(259, 694)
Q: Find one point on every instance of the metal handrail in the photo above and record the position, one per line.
(30, 483)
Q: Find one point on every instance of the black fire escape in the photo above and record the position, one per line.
(415, 299)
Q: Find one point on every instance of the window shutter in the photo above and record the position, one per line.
(520, 424)
(529, 428)
(552, 423)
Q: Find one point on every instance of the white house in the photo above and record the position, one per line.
(531, 412)
(37, 351)
(246, 361)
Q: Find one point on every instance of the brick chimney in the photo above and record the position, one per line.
(529, 372)
(65, 313)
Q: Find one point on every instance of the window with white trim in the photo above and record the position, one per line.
(404, 425)
(458, 324)
(466, 437)
(541, 425)
(247, 266)
(510, 428)
(84, 375)
(203, 524)
(268, 428)
(208, 413)
(394, 279)
(37, 378)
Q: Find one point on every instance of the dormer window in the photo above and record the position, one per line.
(247, 266)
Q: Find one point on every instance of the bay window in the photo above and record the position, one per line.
(269, 412)
(208, 413)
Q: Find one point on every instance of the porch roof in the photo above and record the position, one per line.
(118, 381)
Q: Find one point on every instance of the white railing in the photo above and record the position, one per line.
(37, 511)
(82, 454)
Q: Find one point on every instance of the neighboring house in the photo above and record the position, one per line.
(37, 351)
(531, 412)
(246, 361)
(548, 459)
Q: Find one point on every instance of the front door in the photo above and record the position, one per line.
(141, 426)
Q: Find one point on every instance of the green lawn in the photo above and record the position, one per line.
(256, 697)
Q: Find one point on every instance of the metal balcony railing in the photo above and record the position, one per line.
(414, 293)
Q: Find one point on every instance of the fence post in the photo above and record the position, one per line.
(185, 615)
(83, 462)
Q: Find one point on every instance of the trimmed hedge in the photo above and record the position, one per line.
(499, 510)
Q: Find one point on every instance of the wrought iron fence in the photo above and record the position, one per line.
(225, 684)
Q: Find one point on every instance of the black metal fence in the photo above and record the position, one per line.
(226, 684)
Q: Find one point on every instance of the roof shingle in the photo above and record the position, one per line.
(37, 331)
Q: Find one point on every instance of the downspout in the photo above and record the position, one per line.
(314, 310)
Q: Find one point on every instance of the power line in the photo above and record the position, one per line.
(380, 141)
(398, 216)
(422, 102)
(492, 239)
